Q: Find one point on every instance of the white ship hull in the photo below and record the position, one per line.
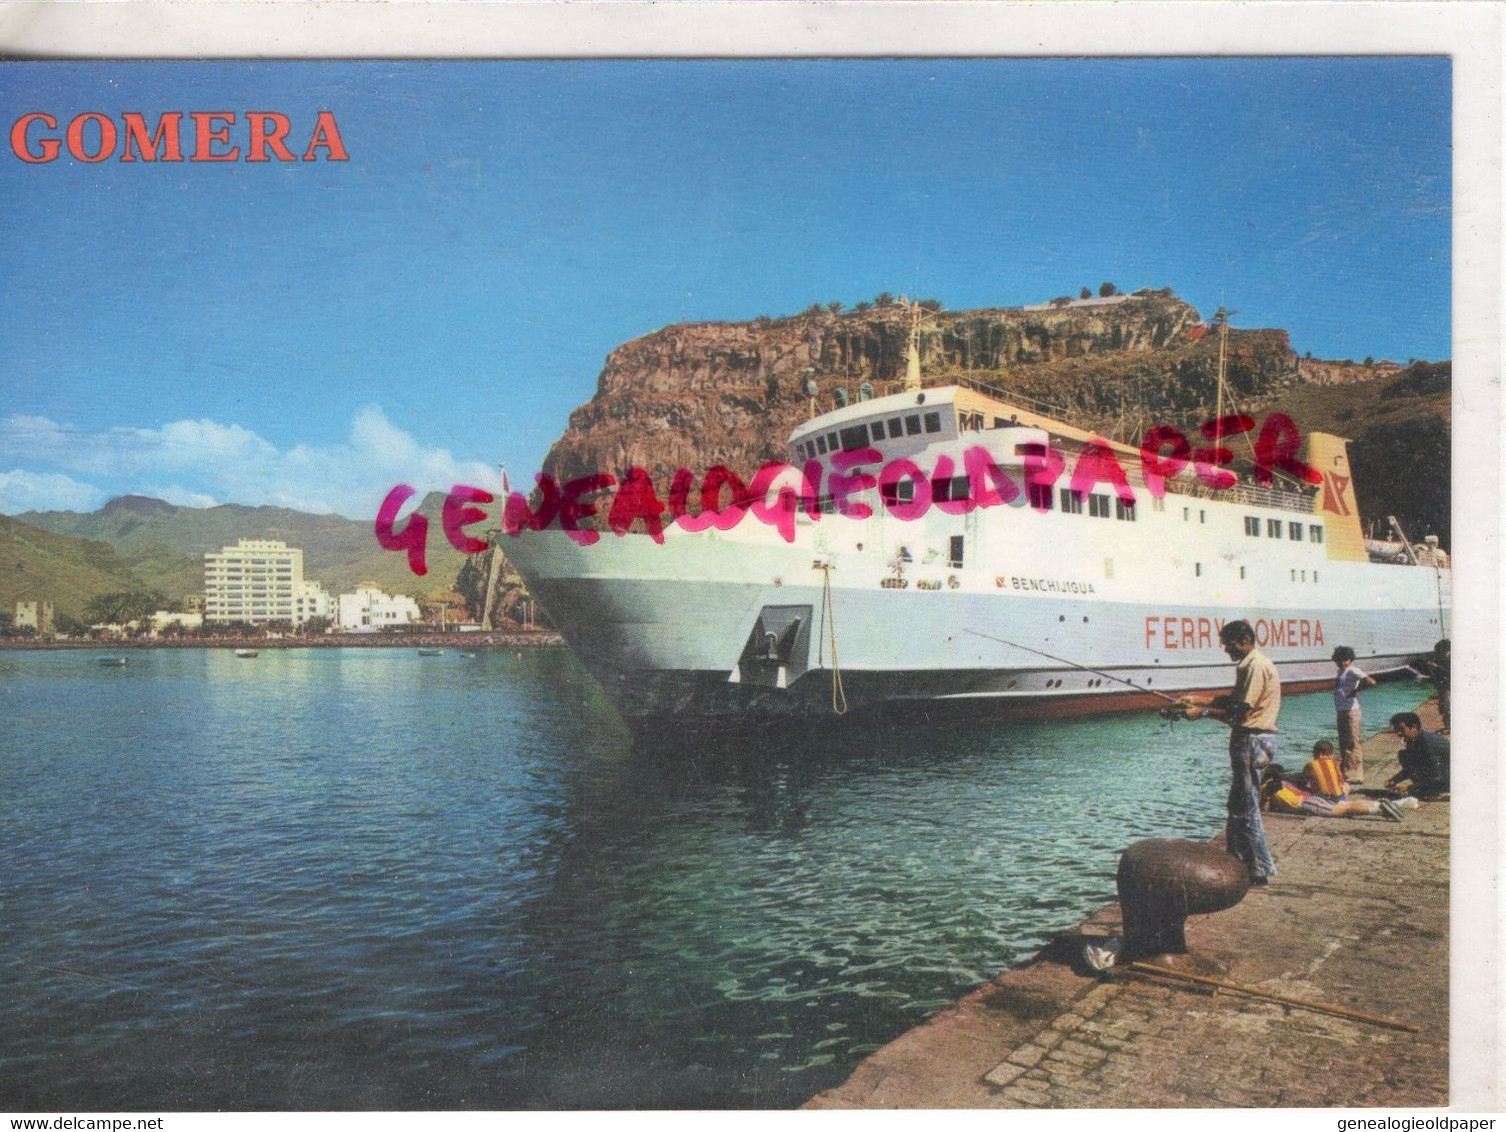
(1047, 613)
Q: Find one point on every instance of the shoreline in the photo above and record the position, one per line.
(497, 639)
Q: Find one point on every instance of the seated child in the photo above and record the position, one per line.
(1323, 775)
(1281, 796)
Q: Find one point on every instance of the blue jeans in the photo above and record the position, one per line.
(1244, 835)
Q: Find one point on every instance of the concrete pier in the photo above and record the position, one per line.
(1357, 917)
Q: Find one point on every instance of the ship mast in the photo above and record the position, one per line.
(912, 351)
(1221, 316)
(918, 323)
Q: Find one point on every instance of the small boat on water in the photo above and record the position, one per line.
(247, 654)
(110, 661)
(469, 655)
(431, 652)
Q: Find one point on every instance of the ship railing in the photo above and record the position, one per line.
(1250, 495)
(1009, 396)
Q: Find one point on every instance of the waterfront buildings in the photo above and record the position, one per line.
(369, 610)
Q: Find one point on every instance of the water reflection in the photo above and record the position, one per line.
(362, 879)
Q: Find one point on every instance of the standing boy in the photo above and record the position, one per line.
(1347, 686)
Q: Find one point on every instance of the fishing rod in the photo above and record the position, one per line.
(1074, 664)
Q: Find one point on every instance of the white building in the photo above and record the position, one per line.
(256, 580)
(35, 615)
(369, 609)
(162, 619)
(312, 600)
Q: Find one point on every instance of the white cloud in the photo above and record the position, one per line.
(46, 491)
(210, 462)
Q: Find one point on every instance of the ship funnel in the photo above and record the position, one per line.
(1329, 454)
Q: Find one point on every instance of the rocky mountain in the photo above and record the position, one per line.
(698, 394)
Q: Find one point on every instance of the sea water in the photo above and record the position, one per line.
(364, 879)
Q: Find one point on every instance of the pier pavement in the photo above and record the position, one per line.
(1357, 917)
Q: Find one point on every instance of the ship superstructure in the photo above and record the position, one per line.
(934, 563)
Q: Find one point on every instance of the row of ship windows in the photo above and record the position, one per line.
(857, 436)
(1273, 529)
(1099, 506)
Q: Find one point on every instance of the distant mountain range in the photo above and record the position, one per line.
(135, 542)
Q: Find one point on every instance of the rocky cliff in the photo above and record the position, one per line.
(697, 394)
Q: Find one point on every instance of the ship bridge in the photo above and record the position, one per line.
(902, 424)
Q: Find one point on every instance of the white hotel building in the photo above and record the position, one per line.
(260, 580)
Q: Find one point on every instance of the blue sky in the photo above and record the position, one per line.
(312, 333)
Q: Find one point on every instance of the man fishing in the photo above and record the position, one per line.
(1250, 710)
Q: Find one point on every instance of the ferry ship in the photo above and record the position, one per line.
(904, 591)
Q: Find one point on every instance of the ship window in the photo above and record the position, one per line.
(1294, 531)
(1241, 573)
(1252, 526)
(1273, 528)
(854, 437)
(1304, 575)
(955, 551)
(821, 445)
(912, 424)
(944, 491)
(1039, 496)
(1294, 575)
(901, 491)
(1098, 506)
(1186, 513)
(896, 428)
(878, 430)
(933, 422)
(1202, 516)
(1197, 569)
(1000, 422)
(1071, 502)
(1316, 533)
(831, 442)
(1315, 575)
(1123, 510)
